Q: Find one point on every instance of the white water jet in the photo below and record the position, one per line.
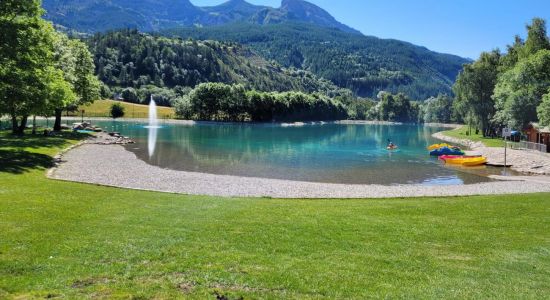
(153, 120)
(153, 127)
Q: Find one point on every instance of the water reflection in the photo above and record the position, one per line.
(322, 153)
(152, 132)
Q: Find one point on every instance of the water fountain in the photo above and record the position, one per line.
(153, 119)
(153, 127)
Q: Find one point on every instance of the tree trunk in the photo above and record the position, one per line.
(33, 124)
(57, 124)
(14, 125)
(19, 130)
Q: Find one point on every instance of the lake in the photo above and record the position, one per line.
(332, 153)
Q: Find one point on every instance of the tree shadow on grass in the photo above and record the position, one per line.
(7, 140)
(18, 162)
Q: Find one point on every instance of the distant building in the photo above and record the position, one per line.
(537, 134)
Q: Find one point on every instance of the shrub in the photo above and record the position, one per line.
(117, 110)
(130, 95)
(183, 108)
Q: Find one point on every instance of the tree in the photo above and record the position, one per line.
(474, 89)
(183, 108)
(543, 110)
(76, 62)
(26, 60)
(519, 91)
(437, 109)
(206, 99)
(117, 110)
(511, 58)
(394, 108)
(537, 39)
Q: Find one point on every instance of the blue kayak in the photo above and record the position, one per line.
(446, 151)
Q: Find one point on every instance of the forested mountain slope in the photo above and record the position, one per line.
(128, 58)
(364, 64)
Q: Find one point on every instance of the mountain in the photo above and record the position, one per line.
(298, 34)
(231, 11)
(299, 11)
(363, 64)
(149, 15)
(128, 58)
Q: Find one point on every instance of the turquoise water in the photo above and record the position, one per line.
(333, 153)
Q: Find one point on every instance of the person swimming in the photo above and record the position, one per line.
(391, 145)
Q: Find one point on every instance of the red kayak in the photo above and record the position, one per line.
(444, 157)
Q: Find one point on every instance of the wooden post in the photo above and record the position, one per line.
(505, 147)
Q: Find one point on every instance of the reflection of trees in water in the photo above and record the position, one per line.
(309, 153)
(214, 144)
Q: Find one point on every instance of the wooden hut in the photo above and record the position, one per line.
(538, 134)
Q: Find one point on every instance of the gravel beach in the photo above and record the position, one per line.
(524, 161)
(113, 165)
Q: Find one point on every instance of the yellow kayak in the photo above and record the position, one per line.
(467, 161)
(475, 161)
(437, 146)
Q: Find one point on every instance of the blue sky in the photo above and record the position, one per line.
(462, 27)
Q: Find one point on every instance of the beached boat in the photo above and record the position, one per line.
(475, 161)
(467, 161)
(437, 146)
(446, 151)
(445, 157)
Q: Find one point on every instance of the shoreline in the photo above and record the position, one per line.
(297, 123)
(115, 166)
(523, 161)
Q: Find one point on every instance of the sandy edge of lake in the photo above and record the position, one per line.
(113, 165)
(523, 161)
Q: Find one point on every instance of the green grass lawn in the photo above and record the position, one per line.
(462, 133)
(102, 108)
(83, 241)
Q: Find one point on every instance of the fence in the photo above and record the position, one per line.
(523, 145)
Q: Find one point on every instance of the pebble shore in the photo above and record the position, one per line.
(524, 161)
(113, 165)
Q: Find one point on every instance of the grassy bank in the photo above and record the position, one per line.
(77, 240)
(102, 108)
(462, 133)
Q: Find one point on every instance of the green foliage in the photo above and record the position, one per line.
(394, 108)
(26, 61)
(130, 95)
(86, 84)
(117, 110)
(129, 59)
(60, 92)
(222, 102)
(104, 91)
(505, 90)
(519, 90)
(543, 111)
(73, 58)
(437, 109)
(537, 38)
(363, 64)
(183, 108)
(474, 90)
(359, 108)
